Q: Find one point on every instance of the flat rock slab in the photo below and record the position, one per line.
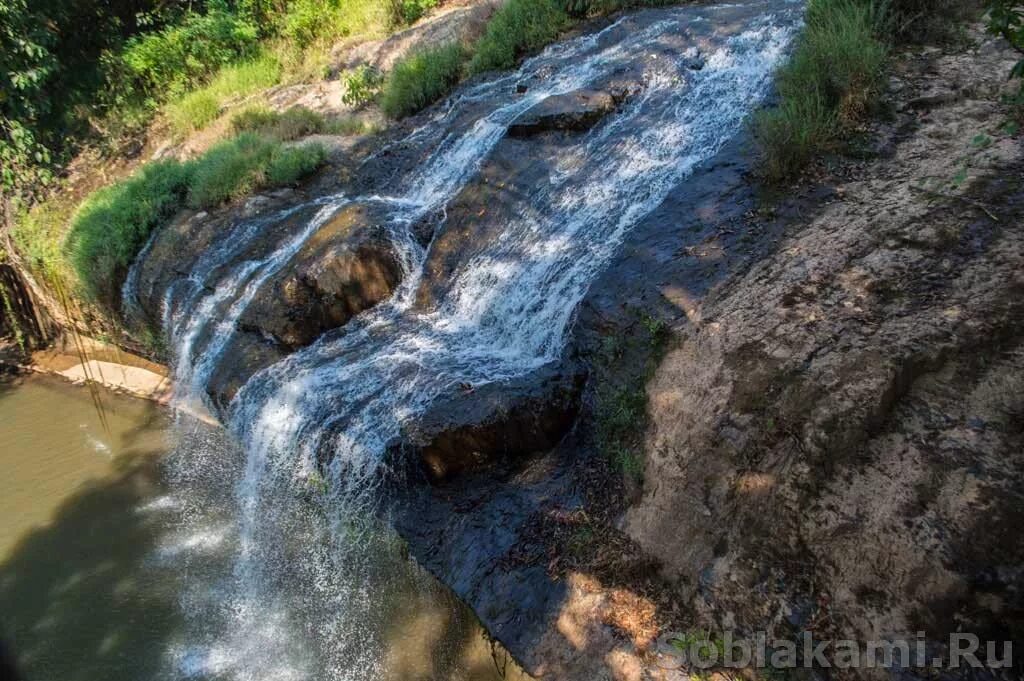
(576, 111)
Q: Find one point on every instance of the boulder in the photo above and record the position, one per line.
(348, 266)
(575, 112)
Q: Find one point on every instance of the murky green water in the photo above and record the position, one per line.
(95, 573)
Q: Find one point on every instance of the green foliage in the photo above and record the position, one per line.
(793, 133)
(519, 28)
(288, 165)
(829, 84)
(240, 166)
(1006, 19)
(621, 414)
(291, 124)
(197, 109)
(420, 79)
(38, 234)
(927, 20)
(411, 10)
(311, 22)
(361, 85)
(185, 54)
(112, 225)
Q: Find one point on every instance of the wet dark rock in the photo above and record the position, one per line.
(575, 112)
(348, 266)
(474, 427)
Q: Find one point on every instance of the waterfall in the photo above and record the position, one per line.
(507, 312)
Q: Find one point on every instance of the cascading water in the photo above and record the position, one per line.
(296, 604)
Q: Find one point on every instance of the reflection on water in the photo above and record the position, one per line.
(76, 601)
(111, 556)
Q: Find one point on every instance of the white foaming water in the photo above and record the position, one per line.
(296, 604)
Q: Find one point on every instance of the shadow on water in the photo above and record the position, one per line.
(77, 601)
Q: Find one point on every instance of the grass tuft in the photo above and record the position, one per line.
(421, 79)
(831, 82)
(519, 28)
(240, 166)
(201, 107)
(112, 225)
(291, 124)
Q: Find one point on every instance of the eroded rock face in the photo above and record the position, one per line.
(348, 266)
(838, 429)
(476, 427)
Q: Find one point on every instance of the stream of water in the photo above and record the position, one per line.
(311, 563)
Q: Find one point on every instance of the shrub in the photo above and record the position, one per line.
(197, 109)
(288, 165)
(411, 10)
(311, 22)
(112, 225)
(828, 85)
(291, 124)
(361, 85)
(421, 79)
(518, 28)
(248, 162)
(183, 55)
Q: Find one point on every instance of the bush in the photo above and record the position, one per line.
(411, 10)
(183, 55)
(288, 165)
(248, 162)
(829, 84)
(311, 22)
(519, 28)
(112, 225)
(421, 79)
(199, 108)
(291, 124)
(361, 86)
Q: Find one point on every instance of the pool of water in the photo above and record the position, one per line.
(112, 551)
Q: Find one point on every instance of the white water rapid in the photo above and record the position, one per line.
(300, 598)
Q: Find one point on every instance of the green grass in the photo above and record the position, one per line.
(287, 125)
(112, 225)
(320, 23)
(831, 82)
(240, 166)
(519, 28)
(420, 79)
(200, 107)
(38, 235)
(295, 123)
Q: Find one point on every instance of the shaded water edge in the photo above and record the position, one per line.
(97, 561)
